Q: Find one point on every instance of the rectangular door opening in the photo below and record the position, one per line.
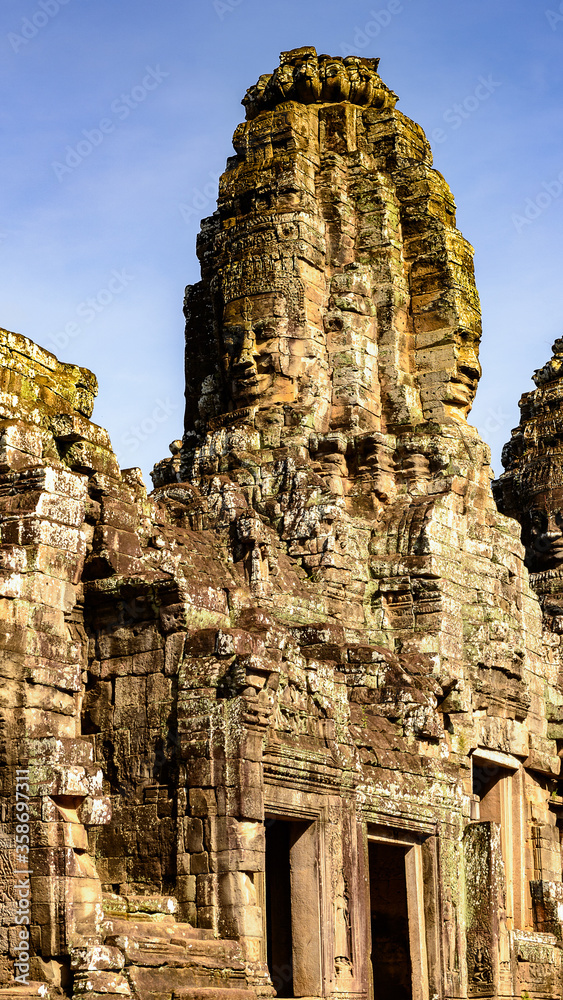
(293, 944)
(487, 782)
(493, 787)
(278, 907)
(390, 936)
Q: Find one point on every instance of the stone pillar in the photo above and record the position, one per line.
(488, 951)
(221, 747)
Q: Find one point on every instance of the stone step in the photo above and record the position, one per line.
(100, 982)
(189, 933)
(175, 952)
(164, 982)
(150, 953)
(206, 955)
(29, 991)
(165, 957)
(213, 993)
(150, 908)
(147, 931)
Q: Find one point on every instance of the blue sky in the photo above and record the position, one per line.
(117, 119)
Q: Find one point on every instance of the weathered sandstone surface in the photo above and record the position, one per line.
(289, 720)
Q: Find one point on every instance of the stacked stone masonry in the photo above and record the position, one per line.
(290, 723)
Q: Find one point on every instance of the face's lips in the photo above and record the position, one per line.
(462, 383)
(249, 386)
(245, 387)
(461, 392)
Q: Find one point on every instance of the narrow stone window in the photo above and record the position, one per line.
(497, 788)
(488, 779)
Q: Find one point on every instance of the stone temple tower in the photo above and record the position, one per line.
(334, 282)
(288, 723)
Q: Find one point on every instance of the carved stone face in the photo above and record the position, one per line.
(306, 80)
(280, 84)
(366, 86)
(553, 370)
(543, 532)
(336, 85)
(464, 375)
(255, 351)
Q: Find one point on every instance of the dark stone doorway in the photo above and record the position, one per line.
(278, 906)
(293, 931)
(390, 944)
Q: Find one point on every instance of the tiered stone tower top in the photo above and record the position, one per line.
(336, 293)
(304, 77)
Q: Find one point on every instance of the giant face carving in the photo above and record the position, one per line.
(306, 80)
(255, 351)
(272, 356)
(464, 375)
(334, 79)
(543, 532)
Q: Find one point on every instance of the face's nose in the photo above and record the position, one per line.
(247, 352)
(468, 359)
(469, 363)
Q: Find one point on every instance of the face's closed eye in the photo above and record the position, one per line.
(265, 332)
(538, 522)
(232, 340)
